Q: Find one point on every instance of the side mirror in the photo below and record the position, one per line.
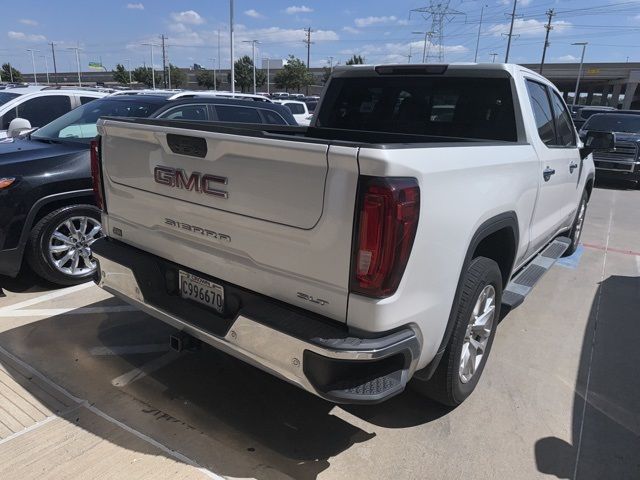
(597, 141)
(18, 126)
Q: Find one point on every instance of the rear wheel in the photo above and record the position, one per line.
(60, 244)
(476, 318)
(578, 224)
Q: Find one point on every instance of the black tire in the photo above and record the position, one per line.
(446, 386)
(37, 251)
(578, 226)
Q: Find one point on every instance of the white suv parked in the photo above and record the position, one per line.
(40, 105)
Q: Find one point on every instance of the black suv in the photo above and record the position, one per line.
(47, 208)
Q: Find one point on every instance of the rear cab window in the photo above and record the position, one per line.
(443, 106)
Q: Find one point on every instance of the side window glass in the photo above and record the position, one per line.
(272, 118)
(84, 100)
(42, 110)
(564, 124)
(187, 112)
(6, 119)
(228, 113)
(542, 112)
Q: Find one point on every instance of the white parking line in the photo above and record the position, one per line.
(110, 419)
(128, 349)
(52, 312)
(48, 296)
(144, 370)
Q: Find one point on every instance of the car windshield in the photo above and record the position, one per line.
(6, 96)
(80, 124)
(613, 123)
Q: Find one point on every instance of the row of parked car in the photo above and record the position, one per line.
(49, 220)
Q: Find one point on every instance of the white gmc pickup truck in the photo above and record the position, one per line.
(377, 246)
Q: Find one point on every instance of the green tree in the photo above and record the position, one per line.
(326, 73)
(121, 75)
(205, 79)
(355, 60)
(294, 75)
(244, 74)
(178, 77)
(8, 71)
(143, 75)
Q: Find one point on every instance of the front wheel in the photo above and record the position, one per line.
(578, 224)
(476, 317)
(59, 247)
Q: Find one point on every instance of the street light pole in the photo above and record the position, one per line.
(77, 63)
(153, 70)
(584, 47)
(46, 67)
(231, 40)
(268, 73)
(33, 62)
(213, 61)
(253, 54)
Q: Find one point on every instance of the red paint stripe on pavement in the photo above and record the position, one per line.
(609, 249)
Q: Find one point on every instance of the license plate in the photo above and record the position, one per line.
(202, 291)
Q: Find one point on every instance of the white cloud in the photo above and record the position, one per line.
(292, 10)
(189, 17)
(567, 58)
(351, 30)
(397, 52)
(27, 21)
(368, 21)
(253, 13)
(27, 37)
(135, 6)
(528, 28)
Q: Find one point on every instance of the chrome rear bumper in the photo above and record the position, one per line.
(322, 359)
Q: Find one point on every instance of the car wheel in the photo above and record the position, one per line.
(578, 225)
(59, 247)
(476, 317)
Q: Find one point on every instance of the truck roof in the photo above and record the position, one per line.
(429, 68)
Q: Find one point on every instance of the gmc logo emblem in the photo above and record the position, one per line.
(177, 178)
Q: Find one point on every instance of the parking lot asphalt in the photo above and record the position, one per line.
(90, 389)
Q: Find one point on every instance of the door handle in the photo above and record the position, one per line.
(547, 172)
(572, 167)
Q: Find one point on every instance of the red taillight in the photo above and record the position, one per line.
(96, 173)
(388, 211)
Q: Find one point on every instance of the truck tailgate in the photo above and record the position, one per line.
(270, 215)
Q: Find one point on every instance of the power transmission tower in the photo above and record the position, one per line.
(439, 13)
(308, 42)
(55, 68)
(510, 34)
(164, 62)
(548, 27)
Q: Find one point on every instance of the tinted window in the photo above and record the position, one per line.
(187, 112)
(6, 96)
(227, 113)
(295, 108)
(564, 124)
(479, 108)
(42, 110)
(608, 122)
(80, 124)
(542, 112)
(84, 100)
(312, 106)
(272, 118)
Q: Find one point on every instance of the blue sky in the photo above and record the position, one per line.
(381, 31)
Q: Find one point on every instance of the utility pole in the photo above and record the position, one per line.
(33, 61)
(164, 62)
(215, 75)
(153, 69)
(46, 67)
(475, 59)
(550, 13)
(231, 40)
(55, 68)
(513, 19)
(493, 55)
(253, 59)
(410, 54)
(331, 63)
(308, 42)
(584, 47)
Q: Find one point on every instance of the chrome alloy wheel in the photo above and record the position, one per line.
(70, 245)
(478, 333)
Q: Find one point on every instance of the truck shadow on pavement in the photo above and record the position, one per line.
(605, 433)
(218, 411)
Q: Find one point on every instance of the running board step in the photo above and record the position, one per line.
(523, 282)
